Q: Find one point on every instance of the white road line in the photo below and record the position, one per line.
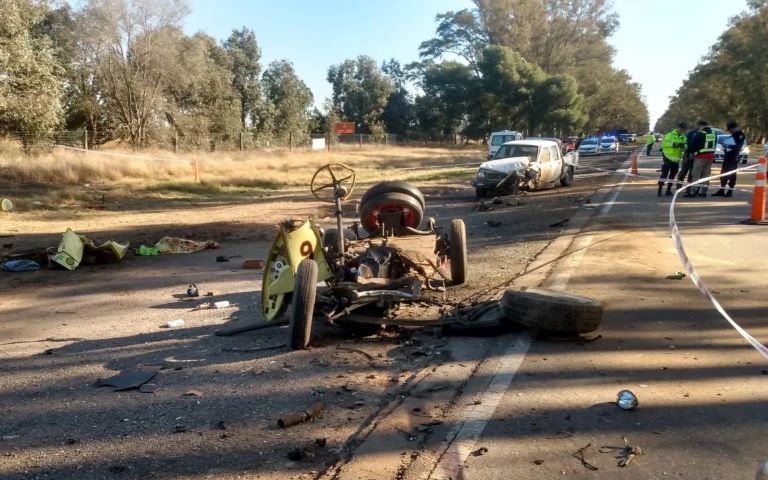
(461, 440)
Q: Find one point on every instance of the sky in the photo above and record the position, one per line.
(658, 41)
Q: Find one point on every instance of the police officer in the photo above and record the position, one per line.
(649, 141)
(703, 147)
(731, 159)
(687, 164)
(672, 148)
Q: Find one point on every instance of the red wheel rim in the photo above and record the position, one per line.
(408, 214)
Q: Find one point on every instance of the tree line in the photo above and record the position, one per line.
(124, 69)
(731, 82)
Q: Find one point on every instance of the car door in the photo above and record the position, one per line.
(545, 164)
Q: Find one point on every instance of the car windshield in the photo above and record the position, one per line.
(607, 140)
(497, 140)
(588, 142)
(510, 151)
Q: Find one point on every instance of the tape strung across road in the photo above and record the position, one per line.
(694, 276)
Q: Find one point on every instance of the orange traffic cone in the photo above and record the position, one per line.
(758, 195)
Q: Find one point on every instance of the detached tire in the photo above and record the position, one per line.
(390, 202)
(304, 292)
(457, 241)
(567, 177)
(394, 187)
(552, 311)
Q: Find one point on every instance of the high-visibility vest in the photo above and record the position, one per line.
(710, 140)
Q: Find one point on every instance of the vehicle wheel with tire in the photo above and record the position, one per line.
(552, 311)
(408, 205)
(304, 293)
(567, 177)
(481, 192)
(457, 241)
(394, 187)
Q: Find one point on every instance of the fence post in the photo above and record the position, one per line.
(196, 169)
(360, 137)
(85, 141)
(290, 141)
(386, 140)
(328, 142)
(241, 140)
(175, 141)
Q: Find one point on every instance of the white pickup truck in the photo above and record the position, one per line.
(525, 164)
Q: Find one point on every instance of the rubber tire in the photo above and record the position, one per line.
(481, 192)
(457, 241)
(394, 187)
(567, 179)
(388, 198)
(304, 293)
(552, 311)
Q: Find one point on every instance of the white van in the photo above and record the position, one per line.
(497, 139)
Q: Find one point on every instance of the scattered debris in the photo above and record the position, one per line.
(301, 417)
(176, 245)
(221, 304)
(250, 350)
(626, 400)
(6, 205)
(71, 441)
(676, 276)
(348, 349)
(209, 294)
(538, 462)
(561, 223)
(483, 207)
(193, 393)
(253, 264)
(579, 455)
(247, 328)
(308, 451)
(10, 437)
(493, 223)
(149, 388)
(179, 322)
(128, 379)
(179, 429)
(222, 258)
(625, 453)
(20, 266)
(192, 291)
(75, 249)
(479, 452)
(221, 425)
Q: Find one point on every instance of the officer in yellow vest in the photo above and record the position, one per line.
(672, 148)
(649, 141)
(703, 147)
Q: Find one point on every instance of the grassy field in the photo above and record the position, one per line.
(59, 178)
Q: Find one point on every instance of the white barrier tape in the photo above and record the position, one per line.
(680, 183)
(760, 183)
(697, 281)
(123, 155)
(762, 168)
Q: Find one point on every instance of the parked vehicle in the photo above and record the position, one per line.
(525, 164)
(723, 142)
(497, 139)
(589, 146)
(625, 138)
(608, 144)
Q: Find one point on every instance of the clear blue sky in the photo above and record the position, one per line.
(658, 41)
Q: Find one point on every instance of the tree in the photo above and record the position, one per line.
(129, 44)
(245, 55)
(398, 114)
(30, 88)
(291, 99)
(558, 107)
(452, 85)
(360, 91)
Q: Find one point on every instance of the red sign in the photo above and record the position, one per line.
(341, 128)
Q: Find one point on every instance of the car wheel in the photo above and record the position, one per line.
(552, 311)
(304, 293)
(410, 207)
(457, 240)
(394, 187)
(567, 177)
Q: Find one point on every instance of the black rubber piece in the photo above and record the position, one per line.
(457, 241)
(552, 311)
(394, 187)
(403, 200)
(481, 192)
(567, 177)
(304, 292)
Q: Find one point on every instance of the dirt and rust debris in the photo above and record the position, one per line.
(300, 417)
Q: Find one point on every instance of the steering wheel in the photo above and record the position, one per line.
(333, 176)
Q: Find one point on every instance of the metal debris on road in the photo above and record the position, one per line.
(250, 350)
(479, 452)
(128, 379)
(626, 400)
(222, 258)
(193, 393)
(561, 223)
(192, 291)
(221, 304)
(308, 451)
(301, 417)
(253, 264)
(625, 453)
(676, 276)
(579, 455)
(179, 322)
(149, 388)
(355, 350)
(493, 223)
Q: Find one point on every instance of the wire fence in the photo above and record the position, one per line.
(213, 142)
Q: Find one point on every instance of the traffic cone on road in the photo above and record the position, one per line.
(758, 195)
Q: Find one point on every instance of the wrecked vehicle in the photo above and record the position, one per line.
(367, 270)
(525, 164)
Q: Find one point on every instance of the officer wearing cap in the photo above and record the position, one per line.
(730, 159)
(672, 148)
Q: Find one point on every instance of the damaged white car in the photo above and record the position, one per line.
(525, 164)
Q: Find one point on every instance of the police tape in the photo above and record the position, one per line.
(680, 184)
(691, 271)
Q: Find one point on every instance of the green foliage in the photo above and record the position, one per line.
(30, 88)
(360, 91)
(245, 55)
(291, 99)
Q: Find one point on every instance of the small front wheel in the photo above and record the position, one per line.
(457, 238)
(567, 177)
(304, 293)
